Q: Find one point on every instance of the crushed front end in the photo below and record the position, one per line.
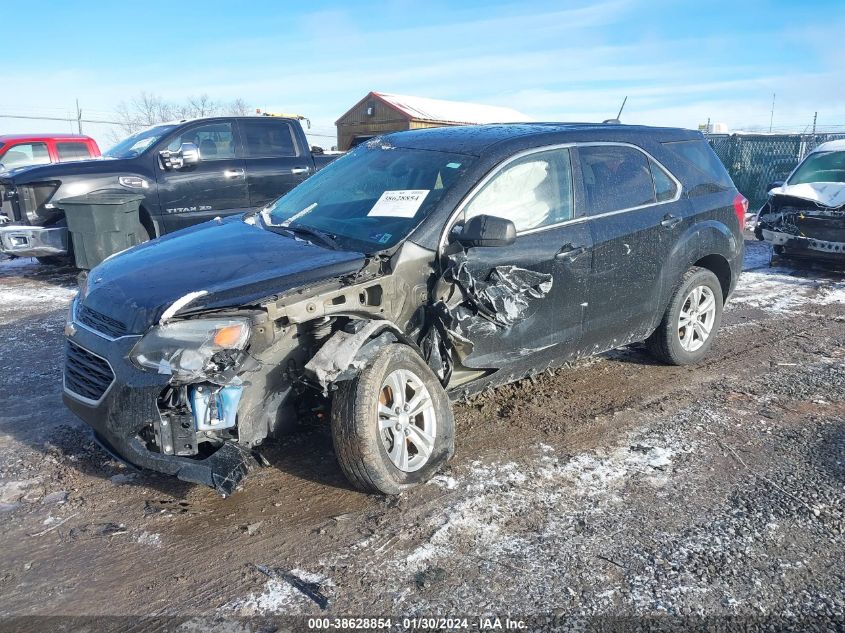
(188, 398)
(800, 226)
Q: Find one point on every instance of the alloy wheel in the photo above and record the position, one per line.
(695, 321)
(406, 420)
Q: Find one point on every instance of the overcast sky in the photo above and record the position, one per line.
(677, 64)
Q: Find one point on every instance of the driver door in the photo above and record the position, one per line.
(216, 185)
(536, 193)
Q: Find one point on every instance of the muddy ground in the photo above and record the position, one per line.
(618, 487)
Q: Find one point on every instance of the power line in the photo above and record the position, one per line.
(55, 118)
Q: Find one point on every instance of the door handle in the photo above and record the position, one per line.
(233, 173)
(670, 221)
(300, 170)
(570, 253)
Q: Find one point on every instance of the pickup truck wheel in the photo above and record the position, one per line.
(392, 425)
(689, 325)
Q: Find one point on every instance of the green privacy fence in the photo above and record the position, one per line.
(755, 160)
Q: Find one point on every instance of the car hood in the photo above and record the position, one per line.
(33, 173)
(828, 194)
(231, 262)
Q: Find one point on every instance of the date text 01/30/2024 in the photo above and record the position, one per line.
(421, 623)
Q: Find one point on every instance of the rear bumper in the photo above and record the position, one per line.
(33, 241)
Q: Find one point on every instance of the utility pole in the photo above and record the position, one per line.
(815, 116)
(78, 117)
(772, 117)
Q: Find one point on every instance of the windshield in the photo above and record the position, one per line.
(820, 167)
(133, 145)
(371, 198)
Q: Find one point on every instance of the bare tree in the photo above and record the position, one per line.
(146, 109)
(239, 107)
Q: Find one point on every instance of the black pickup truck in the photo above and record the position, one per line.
(188, 172)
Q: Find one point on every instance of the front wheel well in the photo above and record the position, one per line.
(147, 222)
(720, 267)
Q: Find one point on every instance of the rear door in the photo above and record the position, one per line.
(635, 214)
(536, 192)
(275, 162)
(214, 186)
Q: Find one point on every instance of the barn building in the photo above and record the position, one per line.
(380, 113)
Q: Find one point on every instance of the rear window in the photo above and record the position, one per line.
(616, 177)
(72, 151)
(266, 138)
(708, 169)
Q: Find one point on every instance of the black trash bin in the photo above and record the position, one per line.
(102, 223)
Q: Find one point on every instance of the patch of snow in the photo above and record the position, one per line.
(776, 290)
(832, 295)
(150, 539)
(442, 481)
(18, 262)
(277, 598)
(13, 491)
(54, 295)
(452, 111)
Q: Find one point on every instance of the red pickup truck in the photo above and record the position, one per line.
(22, 150)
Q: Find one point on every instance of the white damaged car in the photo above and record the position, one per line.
(805, 215)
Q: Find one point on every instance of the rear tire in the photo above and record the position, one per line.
(389, 439)
(691, 320)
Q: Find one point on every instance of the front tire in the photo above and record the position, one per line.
(392, 425)
(691, 320)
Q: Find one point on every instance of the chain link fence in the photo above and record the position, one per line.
(755, 160)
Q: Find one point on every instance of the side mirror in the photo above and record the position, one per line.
(190, 154)
(187, 154)
(774, 185)
(487, 230)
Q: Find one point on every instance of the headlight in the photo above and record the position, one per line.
(134, 182)
(186, 349)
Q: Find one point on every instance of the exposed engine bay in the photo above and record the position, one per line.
(300, 348)
(805, 220)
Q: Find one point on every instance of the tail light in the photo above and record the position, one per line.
(740, 208)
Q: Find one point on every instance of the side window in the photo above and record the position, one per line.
(664, 187)
(532, 192)
(25, 154)
(72, 150)
(615, 177)
(266, 138)
(216, 141)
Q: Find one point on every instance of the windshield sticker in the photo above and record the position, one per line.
(453, 165)
(381, 238)
(403, 203)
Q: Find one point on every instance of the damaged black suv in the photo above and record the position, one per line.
(421, 267)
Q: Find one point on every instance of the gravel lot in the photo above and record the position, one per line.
(619, 487)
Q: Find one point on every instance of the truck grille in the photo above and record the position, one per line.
(7, 202)
(99, 322)
(86, 374)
